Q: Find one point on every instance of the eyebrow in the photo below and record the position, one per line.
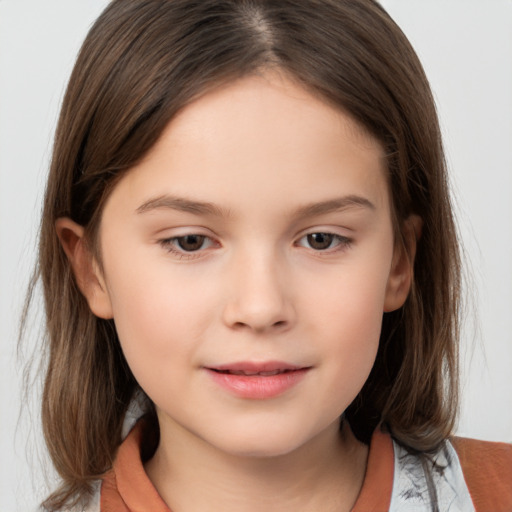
(207, 208)
(183, 205)
(335, 205)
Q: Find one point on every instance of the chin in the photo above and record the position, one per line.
(261, 442)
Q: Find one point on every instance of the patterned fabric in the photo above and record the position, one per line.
(417, 478)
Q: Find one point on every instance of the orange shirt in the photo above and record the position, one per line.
(487, 469)
(488, 472)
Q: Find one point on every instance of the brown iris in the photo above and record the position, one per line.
(191, 242)
(320, 241)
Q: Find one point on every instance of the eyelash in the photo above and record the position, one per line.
(172, 244)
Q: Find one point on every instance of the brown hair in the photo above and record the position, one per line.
(144, 60)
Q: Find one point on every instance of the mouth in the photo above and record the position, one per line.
(257, 381)
(249, 368)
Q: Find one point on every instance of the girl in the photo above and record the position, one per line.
(251, 270)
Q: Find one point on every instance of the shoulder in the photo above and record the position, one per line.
(487, 469)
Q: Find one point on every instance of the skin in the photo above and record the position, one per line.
(269, 159)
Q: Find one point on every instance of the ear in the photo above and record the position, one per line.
(401, 273)
(86, 270)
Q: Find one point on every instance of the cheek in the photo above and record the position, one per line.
(352, 297)
(349, 316)
(352, 355)
(159, 318)
(353, 328)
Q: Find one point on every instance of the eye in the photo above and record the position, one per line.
(187, 243)
(191, 243)
(323, 241)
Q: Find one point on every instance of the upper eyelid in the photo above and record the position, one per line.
(171, 233)
(341, 231)
(184, 230)
(199, 232)
(337, 231)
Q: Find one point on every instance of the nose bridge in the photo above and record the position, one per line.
(259, 295)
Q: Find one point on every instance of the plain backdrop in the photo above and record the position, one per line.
(466, 48)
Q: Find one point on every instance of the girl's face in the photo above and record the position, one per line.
(247, 262)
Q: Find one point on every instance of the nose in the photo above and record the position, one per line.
(259, 295)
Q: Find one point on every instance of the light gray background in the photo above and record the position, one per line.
(466, 48)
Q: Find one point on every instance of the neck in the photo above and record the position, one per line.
(325, 474)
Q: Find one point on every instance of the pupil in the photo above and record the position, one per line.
(320, 241)
(191, 242)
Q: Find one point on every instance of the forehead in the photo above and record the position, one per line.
(257, 141)
(271, 98)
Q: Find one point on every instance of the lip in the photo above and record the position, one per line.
(257, 380)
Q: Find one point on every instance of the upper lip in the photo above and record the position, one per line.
(254, 367)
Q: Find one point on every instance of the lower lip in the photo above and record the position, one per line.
(258, 387)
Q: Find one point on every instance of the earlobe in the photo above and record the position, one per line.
(88, 275)
(401, 274)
